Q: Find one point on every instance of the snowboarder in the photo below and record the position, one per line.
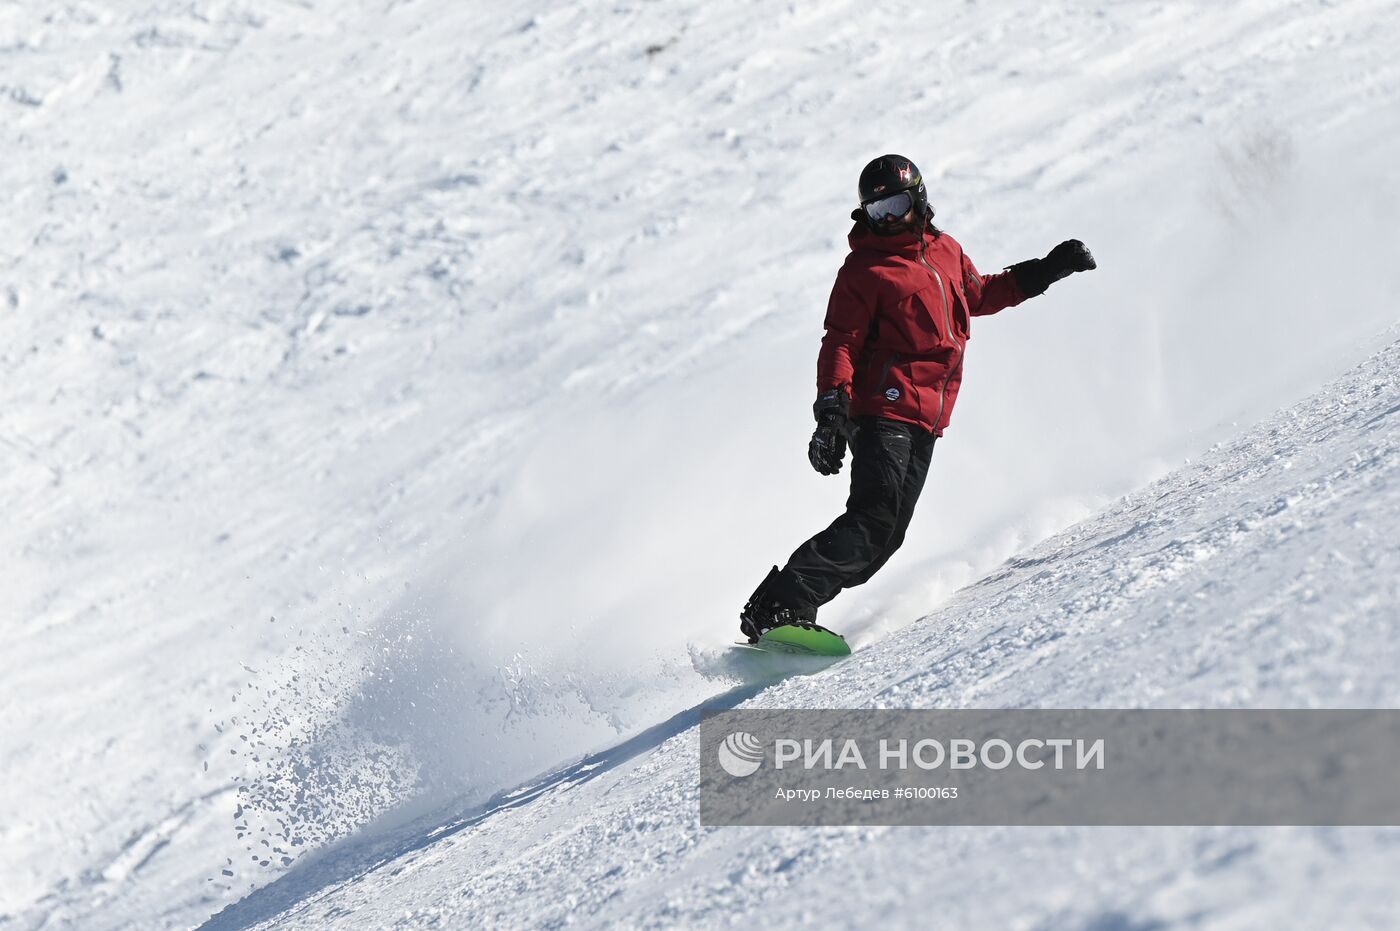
(887, 376)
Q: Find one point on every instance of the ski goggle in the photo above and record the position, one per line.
(896, 205)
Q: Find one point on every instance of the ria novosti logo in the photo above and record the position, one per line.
(741, 754)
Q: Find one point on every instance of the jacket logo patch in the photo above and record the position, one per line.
(892, 394)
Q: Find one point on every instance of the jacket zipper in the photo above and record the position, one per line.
(947, 322)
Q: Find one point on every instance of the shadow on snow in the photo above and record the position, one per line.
(353, 860)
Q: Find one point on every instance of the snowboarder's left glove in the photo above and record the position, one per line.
(1070, 256)
(828, 445)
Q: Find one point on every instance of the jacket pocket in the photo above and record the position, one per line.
(891, 360)
(927, 320)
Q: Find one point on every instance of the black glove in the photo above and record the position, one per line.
(828, 445)
(1070, 256)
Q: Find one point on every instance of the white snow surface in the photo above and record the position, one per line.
(399, 398)
(1264, 575)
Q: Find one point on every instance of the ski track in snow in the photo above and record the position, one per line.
(321, 454)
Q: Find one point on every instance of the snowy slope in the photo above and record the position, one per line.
(1267, 574)
(397, 399)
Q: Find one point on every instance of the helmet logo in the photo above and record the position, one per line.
(904, 174)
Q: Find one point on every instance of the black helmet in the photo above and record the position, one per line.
(885, 177)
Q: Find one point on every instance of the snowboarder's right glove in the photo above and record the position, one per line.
(828, 445)
(1070, 256)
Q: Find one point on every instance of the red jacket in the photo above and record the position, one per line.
(898, 324)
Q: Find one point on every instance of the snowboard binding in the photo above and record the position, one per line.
(766, 610)
(775, 627)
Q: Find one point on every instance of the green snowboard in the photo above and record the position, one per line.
(801, 641)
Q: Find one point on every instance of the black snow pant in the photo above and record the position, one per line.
(889, 462)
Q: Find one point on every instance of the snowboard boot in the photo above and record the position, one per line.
(764, 611)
